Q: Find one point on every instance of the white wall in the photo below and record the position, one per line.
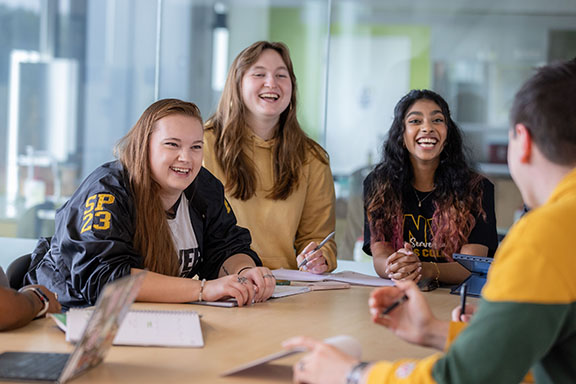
(13, 248)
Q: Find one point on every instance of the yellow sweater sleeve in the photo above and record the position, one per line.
(453, 332)
(412, 371)
(403, 371)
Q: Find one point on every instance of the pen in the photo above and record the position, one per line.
(394, 305)
(463, 292)
(303, 262)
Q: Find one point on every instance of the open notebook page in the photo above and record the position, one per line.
(350, 277)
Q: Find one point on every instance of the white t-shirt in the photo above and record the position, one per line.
(184, 238)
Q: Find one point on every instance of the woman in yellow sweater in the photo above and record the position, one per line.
(278, 180)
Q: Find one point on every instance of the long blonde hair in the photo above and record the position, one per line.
(152, 237)
(229, 122)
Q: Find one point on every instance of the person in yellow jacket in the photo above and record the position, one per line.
(277, 180)
(526, 319)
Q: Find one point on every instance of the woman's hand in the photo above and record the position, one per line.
(263, 280)
(323, 364)
(404, 265)
(238, 287)
(315, 260)
(412, 320)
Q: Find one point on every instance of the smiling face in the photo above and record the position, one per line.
(175, 154)
(425, 131)
(266, 87)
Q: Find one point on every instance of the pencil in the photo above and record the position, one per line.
(394, 305)
(303, 262)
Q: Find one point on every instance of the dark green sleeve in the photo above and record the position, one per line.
(501, 344)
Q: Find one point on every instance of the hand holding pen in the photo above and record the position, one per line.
(464, 311)
(311, 259)
(404, 310)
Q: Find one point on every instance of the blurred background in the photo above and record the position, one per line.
(76, 74)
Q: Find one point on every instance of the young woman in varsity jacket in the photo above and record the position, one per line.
(155, 208)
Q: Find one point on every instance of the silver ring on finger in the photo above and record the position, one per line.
(242, 279)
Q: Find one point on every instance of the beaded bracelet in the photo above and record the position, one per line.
(202, 283)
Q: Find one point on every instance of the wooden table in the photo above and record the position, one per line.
(234, 336)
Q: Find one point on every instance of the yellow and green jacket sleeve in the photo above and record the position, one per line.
(526, 319)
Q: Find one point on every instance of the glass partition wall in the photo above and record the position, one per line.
(475, 54)
(76, 74)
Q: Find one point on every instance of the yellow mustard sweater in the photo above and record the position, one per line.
(281, 229)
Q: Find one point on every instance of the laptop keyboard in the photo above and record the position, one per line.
(32, 365)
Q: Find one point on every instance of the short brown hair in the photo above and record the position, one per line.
(545, 105)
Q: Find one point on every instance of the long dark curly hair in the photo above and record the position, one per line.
(458, 188)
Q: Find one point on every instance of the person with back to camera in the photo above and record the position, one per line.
(526, 317)
(18, 308)
(423, 202)
(277, 179)
(155, 208)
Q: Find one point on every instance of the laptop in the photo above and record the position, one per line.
(478, 267)
(111, 308)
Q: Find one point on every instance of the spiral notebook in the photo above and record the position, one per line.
(144, 327)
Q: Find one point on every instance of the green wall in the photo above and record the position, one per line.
(420, 66)
(307, 52)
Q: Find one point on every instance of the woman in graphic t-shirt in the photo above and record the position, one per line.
(423, 202)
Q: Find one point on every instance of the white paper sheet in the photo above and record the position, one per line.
(344, 276)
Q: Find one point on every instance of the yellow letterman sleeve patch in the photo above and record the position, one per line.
(403, 371)
(95, 215)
